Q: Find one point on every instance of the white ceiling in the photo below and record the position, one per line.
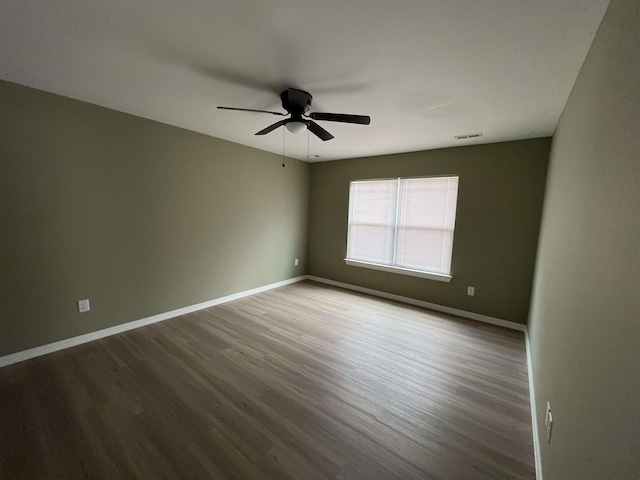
(423, 70)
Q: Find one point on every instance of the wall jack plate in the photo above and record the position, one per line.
(83, 306)
(548, 422)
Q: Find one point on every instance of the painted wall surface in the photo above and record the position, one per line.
(585, 318)
(500, 195)
(137, 216)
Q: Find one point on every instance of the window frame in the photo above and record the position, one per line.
(440, 277)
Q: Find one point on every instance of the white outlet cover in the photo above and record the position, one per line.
(83, 306)
(548, 422)
(295, 262)
(547, 415)
(471, 291)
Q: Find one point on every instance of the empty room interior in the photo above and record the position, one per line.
(320, 240)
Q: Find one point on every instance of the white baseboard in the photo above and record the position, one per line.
(534, 414)
(420, 303)
(71, 342)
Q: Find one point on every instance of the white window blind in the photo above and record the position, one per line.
(373, 207)
(404, 222)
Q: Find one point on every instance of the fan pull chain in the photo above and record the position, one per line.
(307, 146)
(283, 133)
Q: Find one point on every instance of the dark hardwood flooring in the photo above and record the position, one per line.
(305, 381)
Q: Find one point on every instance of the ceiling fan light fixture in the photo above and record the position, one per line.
(296, 127)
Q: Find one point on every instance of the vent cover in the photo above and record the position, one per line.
(470, 135)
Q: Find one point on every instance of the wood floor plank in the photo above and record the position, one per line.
(302, 382)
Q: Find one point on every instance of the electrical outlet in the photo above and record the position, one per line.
(83, 306)
(548, 422)
(471, 291)
(295, 262)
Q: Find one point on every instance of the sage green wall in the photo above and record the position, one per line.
(138, 216)
(585, 318)
(497, 223)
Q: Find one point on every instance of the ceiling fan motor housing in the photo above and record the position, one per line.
(296, 102)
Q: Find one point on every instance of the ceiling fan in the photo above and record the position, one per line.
(297, 103)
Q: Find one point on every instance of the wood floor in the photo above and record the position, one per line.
(305, 381)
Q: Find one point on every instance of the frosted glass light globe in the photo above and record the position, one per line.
(296, 127)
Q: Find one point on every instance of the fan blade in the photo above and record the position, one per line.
(318, 131)
(271, 128)
(341, 117)
(252, 110)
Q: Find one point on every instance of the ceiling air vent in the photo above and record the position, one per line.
(471, 135)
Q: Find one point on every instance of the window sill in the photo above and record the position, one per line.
(439, 277)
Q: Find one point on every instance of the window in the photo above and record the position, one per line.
(403, 225)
